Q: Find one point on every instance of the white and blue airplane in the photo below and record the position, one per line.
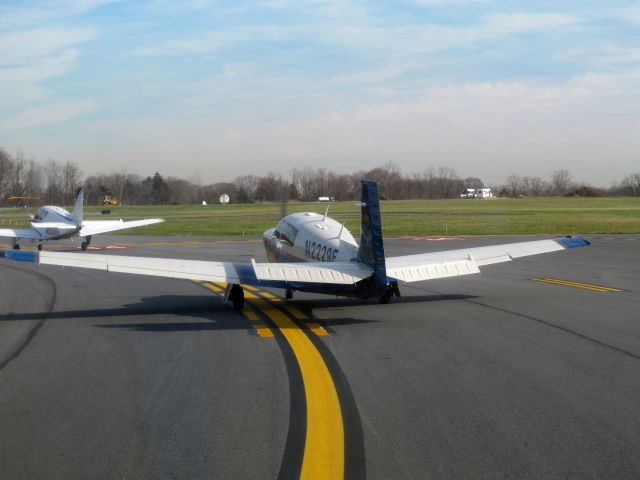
(310, 252)
(56, 223)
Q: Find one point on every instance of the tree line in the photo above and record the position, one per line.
(54, 182)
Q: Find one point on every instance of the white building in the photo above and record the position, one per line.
(477, 193)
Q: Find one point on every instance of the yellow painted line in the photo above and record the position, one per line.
(290, 308)
(567, 284)
(269, 296)
(313, 326)
(212, 287)
(262, 329)
(324, 444)
(295, 312)
(250, 313)
(317, 329)
(586, 286)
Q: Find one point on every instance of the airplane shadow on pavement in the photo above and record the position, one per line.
(218, 316)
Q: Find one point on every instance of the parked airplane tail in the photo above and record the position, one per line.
(78, 210)
(371, 249)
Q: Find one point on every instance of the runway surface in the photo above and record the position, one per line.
(529, 370)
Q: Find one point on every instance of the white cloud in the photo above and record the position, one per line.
(487, 129)
(37, 12)
(22, 84)
(22, 47)
(47, 115)
(505, 23)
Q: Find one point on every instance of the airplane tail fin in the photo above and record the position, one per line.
(78, 209)
(371, 249)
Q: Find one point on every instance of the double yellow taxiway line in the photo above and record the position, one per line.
(324, 442)
(585, 286)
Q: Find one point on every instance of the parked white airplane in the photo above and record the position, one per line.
(313, 253)
(55, 223)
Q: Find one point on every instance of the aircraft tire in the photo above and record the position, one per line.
(84, 246)
(288, 293)
(39, 247)
(386, 297)
(16, 246)
(237, 297)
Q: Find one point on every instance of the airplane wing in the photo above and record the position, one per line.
(19, 233)
(427, 266)
(408, 268)
(94, 227)
(276, 275)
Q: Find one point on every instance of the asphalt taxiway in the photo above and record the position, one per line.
(529, 370)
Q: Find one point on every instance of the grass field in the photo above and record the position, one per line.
(399, 218)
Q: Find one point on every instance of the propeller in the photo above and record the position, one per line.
(284, 200)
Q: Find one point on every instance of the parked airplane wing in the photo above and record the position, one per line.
(19, 233)
(260, 274)
(94, 227)
(427, 266)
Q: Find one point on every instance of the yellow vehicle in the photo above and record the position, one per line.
(109, 200)
(21, 200)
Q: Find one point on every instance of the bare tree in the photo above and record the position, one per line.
(632, 183)
(560, 182)
(70, 181)
(473, 182)
(6, 167)
(514, 186)
(246, 186)
(534, 186)
(54, 182)
(447, 183)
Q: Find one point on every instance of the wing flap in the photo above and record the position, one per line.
(430, 271)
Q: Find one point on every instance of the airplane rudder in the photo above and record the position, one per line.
(371, 242)
(78, 208)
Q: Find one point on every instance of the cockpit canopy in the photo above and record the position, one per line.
(286, 232)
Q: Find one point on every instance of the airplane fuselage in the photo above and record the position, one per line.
(309, 237)
(54, 223)
(314, 238)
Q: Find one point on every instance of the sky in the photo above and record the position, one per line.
(209, 90)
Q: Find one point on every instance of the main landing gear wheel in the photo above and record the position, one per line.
(236, 296)
(85, 244)
(392, 290)
(39, 247)
(386, 296)
(16, 246)
(288, 293)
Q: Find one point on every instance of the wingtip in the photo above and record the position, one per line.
(21, 255)
(573, 241)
